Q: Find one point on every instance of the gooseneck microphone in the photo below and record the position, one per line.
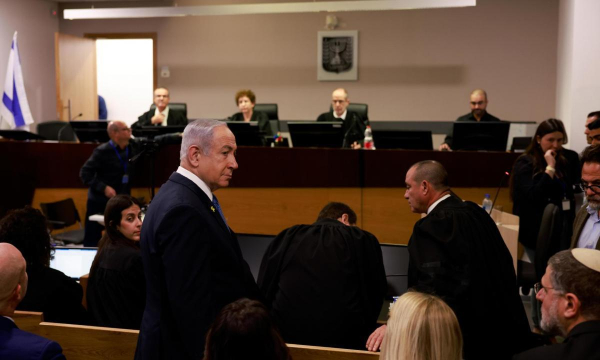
(506, 174)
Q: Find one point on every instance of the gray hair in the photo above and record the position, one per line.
(199, 133)
(571, 276)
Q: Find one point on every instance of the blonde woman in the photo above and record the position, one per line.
(421, 327)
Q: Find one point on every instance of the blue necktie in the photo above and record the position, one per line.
(218, 207)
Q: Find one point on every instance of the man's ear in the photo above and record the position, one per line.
(572, 307)
(344, 219)
(425, 186)
(193, 155)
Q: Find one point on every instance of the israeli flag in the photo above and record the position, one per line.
(14, 109)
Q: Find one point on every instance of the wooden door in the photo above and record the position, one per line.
(75, 78)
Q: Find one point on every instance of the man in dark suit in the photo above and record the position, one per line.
(478, 102)
(569, 292)
(107, 173)
(353, 124)
(586, 227)
(15, 343)
(162, 115)
(192, 260)
(457, 253)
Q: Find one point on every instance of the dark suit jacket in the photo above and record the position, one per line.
(175, 118)
(16, 344)
(581, 344)
(353, 126)
(580, 219)
(193, 266)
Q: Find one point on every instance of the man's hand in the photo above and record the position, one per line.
(374, 341)
(444, 147)
(158, 119)
(356, 145)
(109, 192)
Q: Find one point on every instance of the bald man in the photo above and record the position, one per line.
(162, 115)
(457, 253)
(107, 173)
(353, 126)
(478, 102)
(16, 343)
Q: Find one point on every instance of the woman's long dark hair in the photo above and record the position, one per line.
(244, 330)
(534, 150)
(112, 219)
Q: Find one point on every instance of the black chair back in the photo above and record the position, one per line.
(270, 109)
(180, 107)
(549, 238)
(61, 214)
(56, 130)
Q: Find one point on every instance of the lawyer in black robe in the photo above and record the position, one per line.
(324, 283)
(457, 253)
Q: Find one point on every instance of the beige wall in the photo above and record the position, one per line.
(36, 27)
(413, 65)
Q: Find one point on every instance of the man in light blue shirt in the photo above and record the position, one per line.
(586, 228)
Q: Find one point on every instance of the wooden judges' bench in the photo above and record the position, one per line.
(273, 188)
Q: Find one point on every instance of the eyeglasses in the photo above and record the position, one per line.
(537, 287)
(595, 188)
(125, 129)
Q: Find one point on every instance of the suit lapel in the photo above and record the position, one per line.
(206, 203)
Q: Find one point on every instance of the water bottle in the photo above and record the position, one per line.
(369, 144)
(487, 203)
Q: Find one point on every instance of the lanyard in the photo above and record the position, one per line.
(123, 162)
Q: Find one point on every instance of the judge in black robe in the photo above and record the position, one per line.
(324, 283)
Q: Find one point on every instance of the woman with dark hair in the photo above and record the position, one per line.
(245, 101)
(116, 292)
(546, 173)
(244, 330)
(49, 290)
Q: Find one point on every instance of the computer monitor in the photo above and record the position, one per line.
(471, 135)
(151, 132)
(395, 262)
(316, 134)
(90, 131)
(253, 249)
(73, 262)
(403, 139)
(247, 133)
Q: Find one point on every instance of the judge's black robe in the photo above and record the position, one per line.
(353, 127)
(324, 283)
(457, 253)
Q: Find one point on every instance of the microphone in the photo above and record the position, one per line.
(506, 174)
(78, 115)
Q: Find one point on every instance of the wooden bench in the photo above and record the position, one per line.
(28, 320)
(92, 342)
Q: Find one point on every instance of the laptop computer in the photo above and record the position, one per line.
(73, 261)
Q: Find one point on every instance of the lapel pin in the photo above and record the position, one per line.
(213, 208)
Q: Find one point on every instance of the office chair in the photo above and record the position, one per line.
(520, 144)
(180, 107)
(361, 109)
(56, 130)
(269, 109)
(62, 214)
(548, 243)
